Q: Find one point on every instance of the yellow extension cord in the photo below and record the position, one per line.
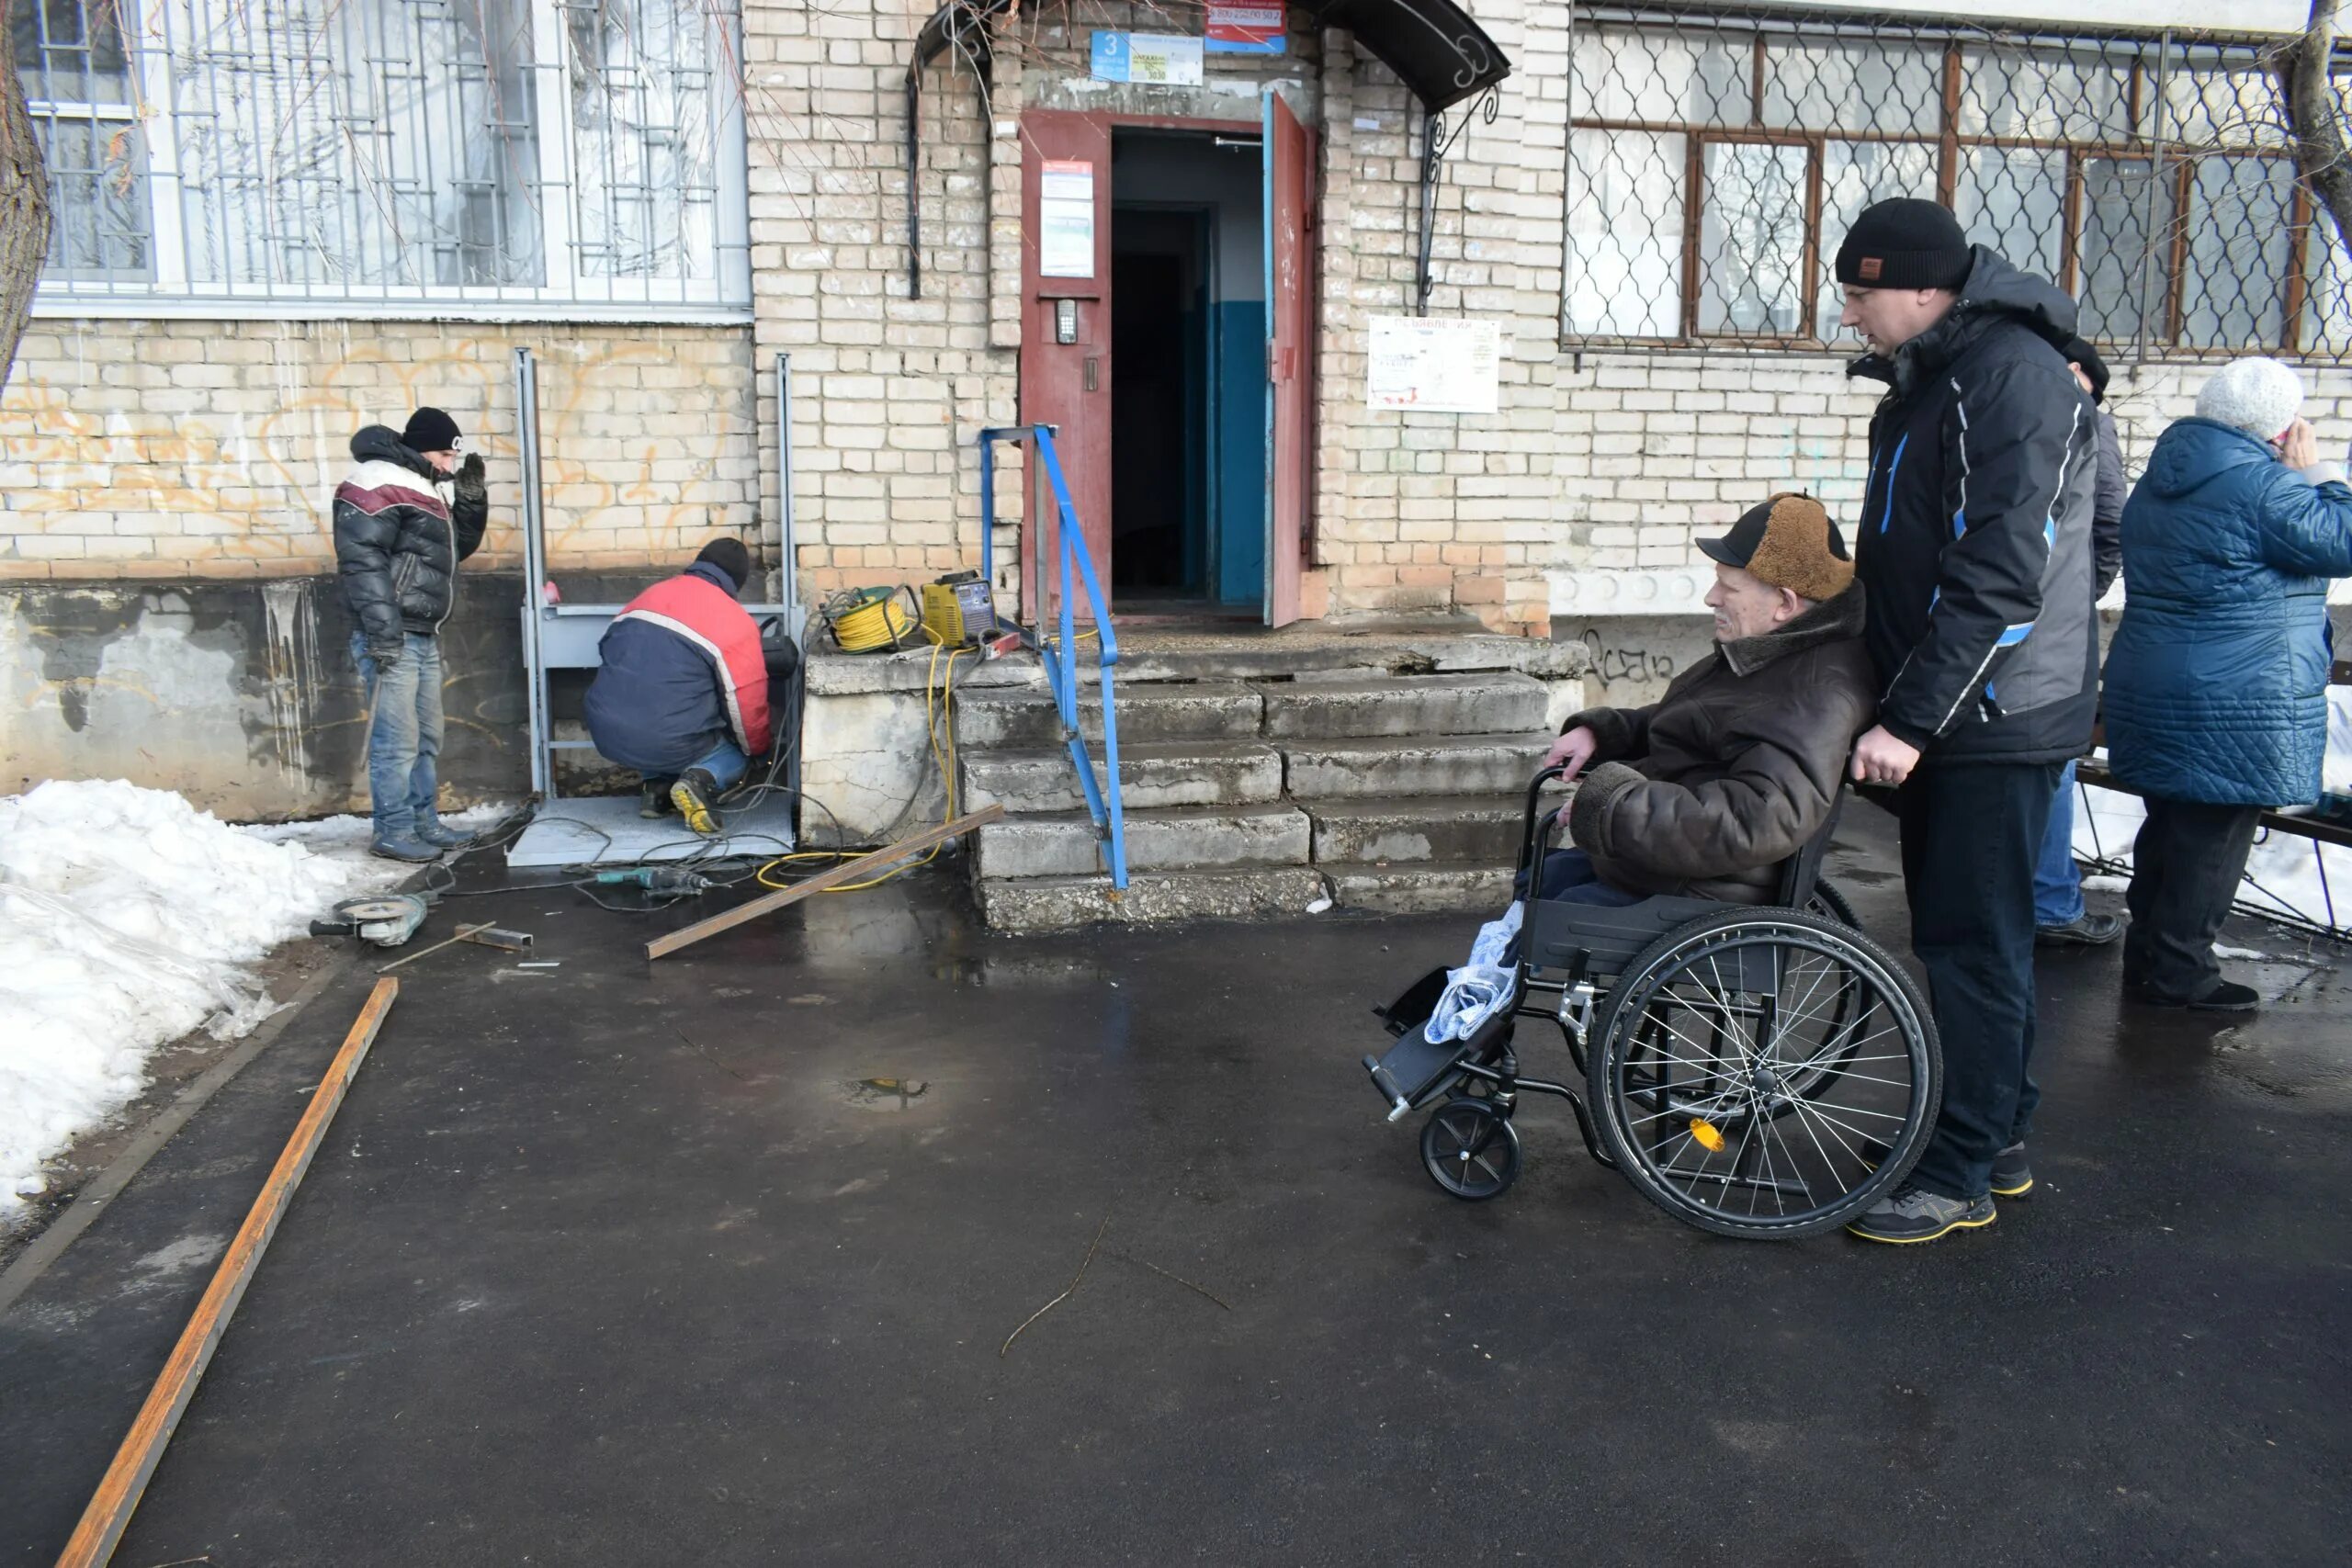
(879, 623)
(932, 716)
(864, 619)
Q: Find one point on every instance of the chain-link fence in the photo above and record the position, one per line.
(535, 152)
(1714, 162)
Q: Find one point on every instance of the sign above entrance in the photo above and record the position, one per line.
(1236, 27)
(1433, 366)
(1066, 217)
(1155, 60)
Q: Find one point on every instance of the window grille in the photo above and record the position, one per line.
(1714, 162)
(516, 156)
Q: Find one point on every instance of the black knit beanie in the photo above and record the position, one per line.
(1904, 244)
(729, 556)
(2077, 352)
(430, 430)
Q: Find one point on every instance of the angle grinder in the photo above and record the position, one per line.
(387, 919)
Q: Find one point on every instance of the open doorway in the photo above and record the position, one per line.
(1188, 358)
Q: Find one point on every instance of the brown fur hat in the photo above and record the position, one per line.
(1791, 543)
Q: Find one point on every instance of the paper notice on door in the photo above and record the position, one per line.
(1433, 366)
(1066, 217)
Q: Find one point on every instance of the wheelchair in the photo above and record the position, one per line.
(1762, 1071)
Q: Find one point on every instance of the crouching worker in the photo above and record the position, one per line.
(1705, 791)
(682, 691)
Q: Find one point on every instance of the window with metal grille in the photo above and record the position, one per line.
(1715, 163)
(515, 156)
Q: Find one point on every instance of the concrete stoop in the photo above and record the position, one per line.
(1398, 791)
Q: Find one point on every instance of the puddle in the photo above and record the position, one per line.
(884, 1094)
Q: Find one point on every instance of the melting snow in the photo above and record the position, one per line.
(127, 919)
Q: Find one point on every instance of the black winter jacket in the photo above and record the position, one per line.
(397, 542)
(2108, 494)
(1976, 531)
(1708, 789)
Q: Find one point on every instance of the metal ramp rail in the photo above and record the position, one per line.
(1057, 652)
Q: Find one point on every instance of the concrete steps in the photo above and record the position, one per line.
(1396, 790)
(1026, 717)
(1418, 830)
(1057, 903)
(1167, 773)
(1432, 764)
(1326, 707)
(1063, 844)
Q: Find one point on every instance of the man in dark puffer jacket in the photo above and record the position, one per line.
(1705, 791)
(398, 541)
(1976, 547)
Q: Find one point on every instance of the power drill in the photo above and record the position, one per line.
(660, 881)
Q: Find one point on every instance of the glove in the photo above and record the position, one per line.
(387, 654)
(470, 484)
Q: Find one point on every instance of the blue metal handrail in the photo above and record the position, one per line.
(1055, 653)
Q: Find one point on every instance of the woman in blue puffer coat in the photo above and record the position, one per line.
(2216, 686)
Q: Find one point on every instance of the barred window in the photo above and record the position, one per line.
(1716, 161)
(512, 155)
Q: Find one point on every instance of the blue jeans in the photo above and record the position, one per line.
(725, 762)
(2057, 885)
(404, 734)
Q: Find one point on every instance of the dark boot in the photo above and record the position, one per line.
(654, 802)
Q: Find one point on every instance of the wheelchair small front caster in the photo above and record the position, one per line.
(1470, 1148)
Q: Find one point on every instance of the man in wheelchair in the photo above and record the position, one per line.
(1752, 1063)
(1705, 791)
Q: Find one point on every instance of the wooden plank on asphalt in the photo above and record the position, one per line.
(110, 1507)
(848, 871)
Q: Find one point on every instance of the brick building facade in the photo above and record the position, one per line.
(198, 442)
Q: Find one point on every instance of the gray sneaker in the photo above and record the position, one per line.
(1913, 1213)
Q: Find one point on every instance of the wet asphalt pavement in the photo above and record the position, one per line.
(712, 1261)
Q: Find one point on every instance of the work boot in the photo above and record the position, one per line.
(2085, 929)
(1915, 1215)
(654, 802)
(439, 834)
(2227, 996)
(696, 795)
(2012, 1178)
(402, 844)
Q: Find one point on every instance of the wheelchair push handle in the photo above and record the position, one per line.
(1534, 798)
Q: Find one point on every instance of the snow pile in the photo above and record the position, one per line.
(127, 917)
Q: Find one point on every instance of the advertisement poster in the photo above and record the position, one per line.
(1155, 59)
(1235, 29)
(1433, 366)
(1066, 217)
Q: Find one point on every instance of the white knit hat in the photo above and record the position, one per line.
(2260, 397)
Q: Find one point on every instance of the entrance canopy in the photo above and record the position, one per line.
(1433, 45)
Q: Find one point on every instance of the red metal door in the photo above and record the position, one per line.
(1065, 292)
(1290, 334)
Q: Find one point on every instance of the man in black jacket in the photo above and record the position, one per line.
(397, 544)
(1975, 550)
(2059, 918)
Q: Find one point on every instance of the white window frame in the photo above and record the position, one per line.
(723, 297)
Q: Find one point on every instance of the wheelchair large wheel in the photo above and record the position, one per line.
(1829, 902)
(1765, 1073)
(1470, 1148)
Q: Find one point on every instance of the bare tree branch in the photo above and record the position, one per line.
(24, 207)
